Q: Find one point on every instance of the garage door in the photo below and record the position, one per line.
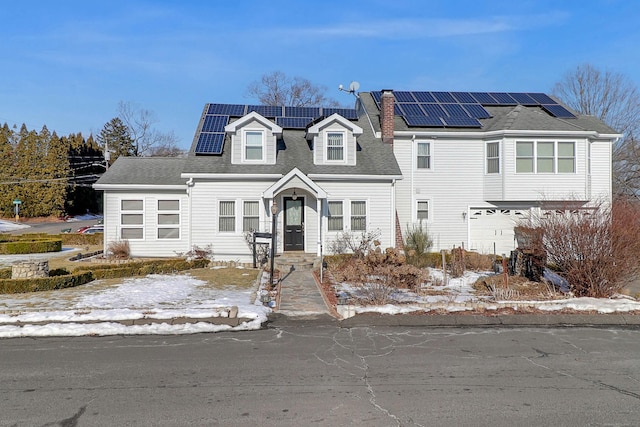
(489, 227)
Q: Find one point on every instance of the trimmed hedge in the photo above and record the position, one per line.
(16, 286)
(81, 239)
(30, 246)
(142, 268)
(86, 274)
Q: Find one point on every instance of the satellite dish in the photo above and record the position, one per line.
(354, 86)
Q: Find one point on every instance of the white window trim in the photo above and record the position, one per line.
(486, 158)
(135, 212)
(235, 217)
(555, 157)
(415, 210)
(415, 156)
(326, 146)
(244, 216)
(244, 145)
(329, 216)
(350, 216)
(170, 226)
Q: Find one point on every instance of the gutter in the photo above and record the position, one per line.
(336, 177)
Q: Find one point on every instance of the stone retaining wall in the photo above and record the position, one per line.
(30, 269)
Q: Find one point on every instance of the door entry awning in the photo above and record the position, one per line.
(295, 178)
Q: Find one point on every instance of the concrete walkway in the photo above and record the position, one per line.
(300, 296)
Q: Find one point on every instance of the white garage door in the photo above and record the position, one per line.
(489, 227)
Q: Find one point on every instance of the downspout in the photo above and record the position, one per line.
(393, 213)
(412, 169)
(190, 184)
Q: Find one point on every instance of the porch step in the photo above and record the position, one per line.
(298, 261)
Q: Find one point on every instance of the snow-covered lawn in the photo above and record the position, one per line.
(6, 226)
(457, 294)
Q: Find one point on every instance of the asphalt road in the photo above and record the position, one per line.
(53, 227)
(300, 374)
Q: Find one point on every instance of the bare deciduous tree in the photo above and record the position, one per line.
(145, 137)
(614, 99)
(278, 89)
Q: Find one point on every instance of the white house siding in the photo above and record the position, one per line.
(544, 186)
(151, 245)
(601, 170)
(453, 183)
(378, 196)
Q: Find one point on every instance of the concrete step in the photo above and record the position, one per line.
(297, 261)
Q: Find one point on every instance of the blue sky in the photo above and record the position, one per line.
(67, 64)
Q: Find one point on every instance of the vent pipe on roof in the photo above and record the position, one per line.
(386, 115)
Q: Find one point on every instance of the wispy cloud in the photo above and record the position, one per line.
(432, 28)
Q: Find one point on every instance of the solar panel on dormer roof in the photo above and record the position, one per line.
(424, 97)
(542, 98)
(210, 143)
(463, 97)
(234, 110)
(523, 98)
(454, 110)
(503, 98)
(443, 97)
(269, 111)
(559, 111)
(484, 98)
(404, 96)
(423, 121)
(477, 111)
(214, 123)
(347, 113)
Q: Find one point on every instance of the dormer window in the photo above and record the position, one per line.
(254, 145)
(335, 146)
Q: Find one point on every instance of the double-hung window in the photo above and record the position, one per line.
(132, 219)
(335, 146)
(422, 210)
(358, 215)
(253, 145)
(168, 219)
(227, 216)
(251, 216)
(493, 157)
(423, 155)
(336, 216)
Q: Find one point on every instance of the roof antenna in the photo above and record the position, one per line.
(353, 87)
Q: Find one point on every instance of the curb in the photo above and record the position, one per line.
(471, 320)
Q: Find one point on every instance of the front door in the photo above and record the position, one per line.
(293, 224)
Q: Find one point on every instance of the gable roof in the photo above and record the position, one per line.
(144, 171)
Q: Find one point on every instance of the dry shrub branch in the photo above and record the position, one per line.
(595, 250)
(378, 274)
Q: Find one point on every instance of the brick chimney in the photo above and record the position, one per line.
(386, 115)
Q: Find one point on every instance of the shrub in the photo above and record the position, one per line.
(379, 274)
(14, 286)
(596, 250)
(357, 244)
(417, 239)
(30, 246)
(119, 249)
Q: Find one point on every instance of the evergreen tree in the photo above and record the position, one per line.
(116, 138)
(7, 170)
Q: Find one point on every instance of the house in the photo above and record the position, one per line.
(468, 165)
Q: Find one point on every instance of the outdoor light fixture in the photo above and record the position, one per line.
(274, 211)
(294, 196)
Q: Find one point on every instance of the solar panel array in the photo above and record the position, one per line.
(211, 136)
(463, 109)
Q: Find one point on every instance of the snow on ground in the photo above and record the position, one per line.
(6, 226)
(460, 296)
(154, 297)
